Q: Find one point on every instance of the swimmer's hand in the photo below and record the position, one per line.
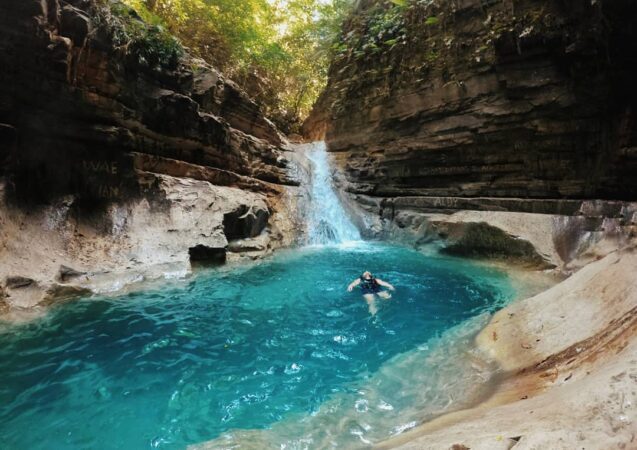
(350, 288)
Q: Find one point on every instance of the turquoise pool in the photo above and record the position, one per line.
(268, 354)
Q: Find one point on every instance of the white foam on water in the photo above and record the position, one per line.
(445, 374)
(327, 222)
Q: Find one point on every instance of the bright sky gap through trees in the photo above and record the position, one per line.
(277, 50)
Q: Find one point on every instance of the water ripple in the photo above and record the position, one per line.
(277, 346)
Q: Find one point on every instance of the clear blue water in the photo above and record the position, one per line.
(272, 346)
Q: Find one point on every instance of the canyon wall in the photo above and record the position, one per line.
(506, 129)
(478, 105)
(120, 152)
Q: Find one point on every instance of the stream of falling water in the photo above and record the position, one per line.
(328, 222)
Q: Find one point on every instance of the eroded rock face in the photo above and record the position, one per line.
(116, 167)
(201, 254)
(59, 250)
(572, 358)
(245, 222)
(474, 124)
(562, 234)
(77, 105)
(491, 99)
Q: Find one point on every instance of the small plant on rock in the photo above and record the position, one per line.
(145, 45)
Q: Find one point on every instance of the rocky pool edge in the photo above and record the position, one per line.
(569, 359)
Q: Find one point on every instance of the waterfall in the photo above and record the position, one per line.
(328, 223)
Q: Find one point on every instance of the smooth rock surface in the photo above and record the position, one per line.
(571, 354)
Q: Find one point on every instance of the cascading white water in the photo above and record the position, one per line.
(328, 223)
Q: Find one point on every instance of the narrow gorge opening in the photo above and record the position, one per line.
(318, 224)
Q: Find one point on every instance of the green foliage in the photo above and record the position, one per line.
(147, 45)
(388, 24)
(431, 56)
(382, 26)
(432, 20)
(278, 50)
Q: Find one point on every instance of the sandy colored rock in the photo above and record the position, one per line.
(118, 169)
(67, 251)
(570, 361)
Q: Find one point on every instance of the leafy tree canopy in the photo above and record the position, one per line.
(278, 50)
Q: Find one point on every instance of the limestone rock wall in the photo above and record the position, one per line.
(486, 98)
(119, 165)
(74, 104)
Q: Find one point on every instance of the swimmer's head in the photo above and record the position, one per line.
(367, 275)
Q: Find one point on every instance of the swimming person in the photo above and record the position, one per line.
(371, 287)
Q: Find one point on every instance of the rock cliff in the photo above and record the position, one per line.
(122, 154)
(437, 107)
(495, 98)
(506, 129)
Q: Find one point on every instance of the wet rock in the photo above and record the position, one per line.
(74, 24)
(128, 164)
(57, 293)
(122, 244)
(527, 105)
(481, 240)
(540, 233)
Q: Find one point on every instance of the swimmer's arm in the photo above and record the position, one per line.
(353, 284)
(385, 284)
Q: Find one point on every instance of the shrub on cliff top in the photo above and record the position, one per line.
(278, 51)
(144, 44)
